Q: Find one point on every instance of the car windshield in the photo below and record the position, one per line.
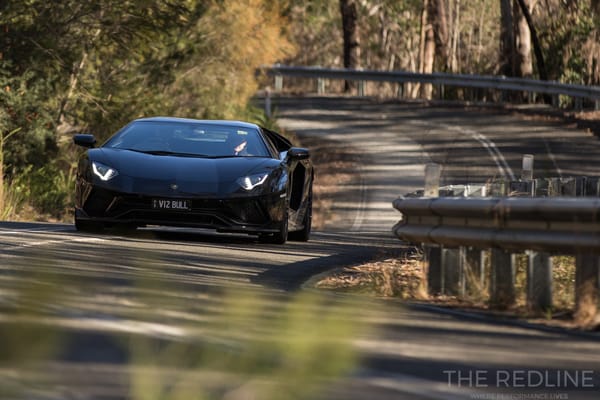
(190, 139)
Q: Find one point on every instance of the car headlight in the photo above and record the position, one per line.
(104, 172)
(251, 181)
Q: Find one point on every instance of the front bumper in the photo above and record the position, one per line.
(247, 214)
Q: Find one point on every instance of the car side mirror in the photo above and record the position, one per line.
(84, 140)
(298, 153)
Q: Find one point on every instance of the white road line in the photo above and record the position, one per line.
(51, 241)
(552, 158)
(489, 145)
(495, 154)
(363, 203)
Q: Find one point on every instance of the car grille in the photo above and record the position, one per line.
(205, 212)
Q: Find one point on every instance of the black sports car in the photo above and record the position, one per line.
(227, 175)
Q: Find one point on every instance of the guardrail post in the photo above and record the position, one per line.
(400, 90)
(587, 291)
(597, 105)
(452, 276)
(361, 88)
(473, 270)
(498, 189)
(432, 180)
(569, 187)
(592, 187)
(502, 287)
(320, 85)
(433, 256)
(554, 187)
(444, 274)
(539, 281)
(527, 167)
(578, 103)
(278, 83)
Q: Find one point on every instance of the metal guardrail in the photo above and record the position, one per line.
(552, 225)
(457, 231)
(469, 81)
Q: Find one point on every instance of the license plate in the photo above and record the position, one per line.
(171, 204)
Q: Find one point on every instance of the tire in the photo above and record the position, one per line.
(279, 237)
(125, 228)
(303, 235)
(88, 226)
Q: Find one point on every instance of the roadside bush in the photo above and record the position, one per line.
(47, 192)
(52, 189)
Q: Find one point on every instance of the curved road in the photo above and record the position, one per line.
(97, 292)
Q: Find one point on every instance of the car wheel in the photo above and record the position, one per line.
(88, 226)
(279, 237)
(125, 228)
(304, 234)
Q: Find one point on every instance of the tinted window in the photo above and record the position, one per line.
(209, 140)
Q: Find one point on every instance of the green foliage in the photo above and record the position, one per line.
(76, 66)
(256, 347)
(19, 110)
(51, 189)
(16, 192)
(565, 34)
(179, 343)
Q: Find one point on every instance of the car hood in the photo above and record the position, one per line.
(156, 174)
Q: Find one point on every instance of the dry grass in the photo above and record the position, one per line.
(402, 277)
(405, 277)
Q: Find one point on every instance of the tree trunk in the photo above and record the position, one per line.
(429, 47)
(539, 56)
(523, 62)
(349, 11)
(454, 67)
(507, 39)
(439, 20)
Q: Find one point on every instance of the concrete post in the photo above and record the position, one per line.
(278, 83)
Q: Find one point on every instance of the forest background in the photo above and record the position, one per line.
(71, 66)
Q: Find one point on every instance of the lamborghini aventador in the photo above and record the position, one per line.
(225, 175)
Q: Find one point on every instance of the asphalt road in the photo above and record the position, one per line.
(75, 307)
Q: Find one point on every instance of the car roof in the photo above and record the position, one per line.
(240, 124)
